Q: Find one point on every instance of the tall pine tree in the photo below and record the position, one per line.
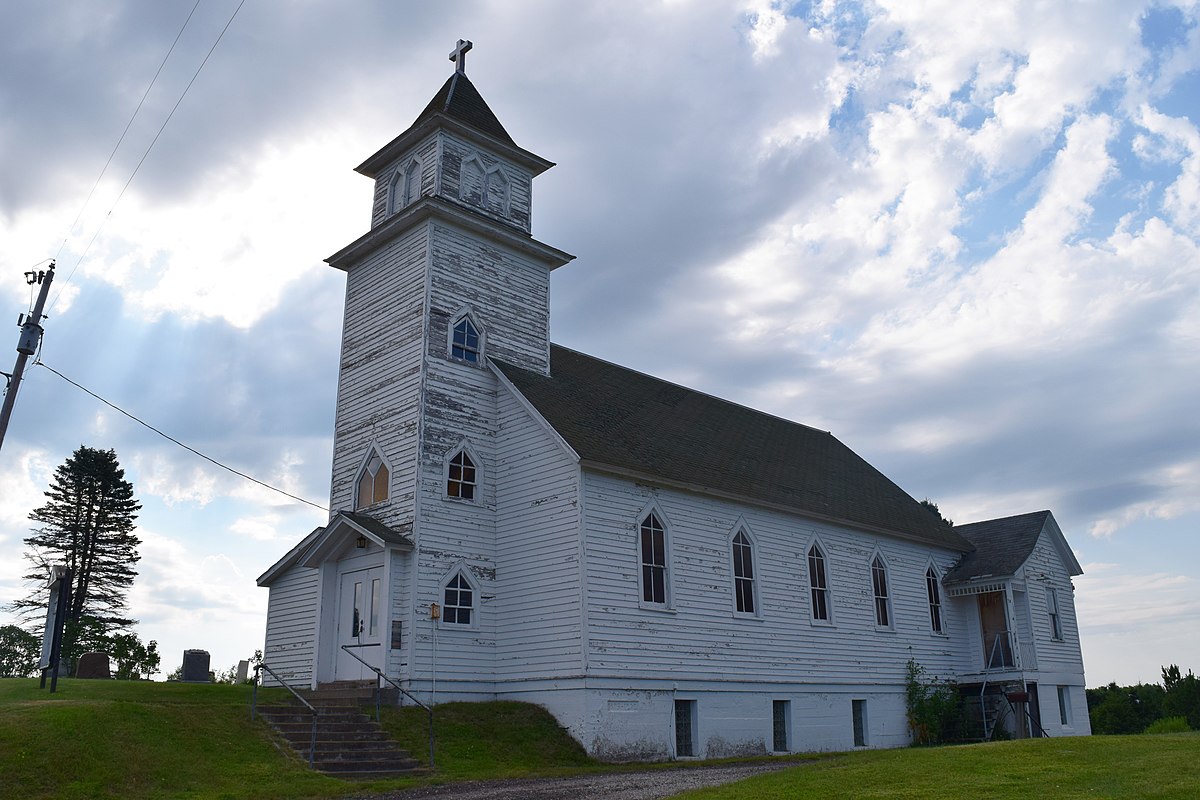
(87, 524)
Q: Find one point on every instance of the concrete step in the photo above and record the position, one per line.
(349, 744)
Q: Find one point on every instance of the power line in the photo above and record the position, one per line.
(170, 438)
(129, 124)
(82, 255)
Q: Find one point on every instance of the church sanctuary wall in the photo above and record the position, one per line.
(701, 637)
(539, 605)
(291, 626)
(379, 376)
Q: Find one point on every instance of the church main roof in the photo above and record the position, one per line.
(635, 424)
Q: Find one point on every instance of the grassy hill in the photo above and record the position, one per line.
(131, 739)
(135, 740)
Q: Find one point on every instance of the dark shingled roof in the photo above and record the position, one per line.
(1001, 546)
(459, 98)
(619, 418)
(372, 525)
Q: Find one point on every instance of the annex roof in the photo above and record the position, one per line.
(620, 420)
(1002, 546)
(315, 547)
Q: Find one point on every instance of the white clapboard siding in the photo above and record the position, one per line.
(703, 638)
(379, 378)
(1044, 569)
(509, 293)
(455, 150)
(426, 151)
(291, 624)
(539, 609)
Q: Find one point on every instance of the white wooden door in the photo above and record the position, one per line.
(360, 623)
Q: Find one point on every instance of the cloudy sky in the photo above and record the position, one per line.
(962, 237)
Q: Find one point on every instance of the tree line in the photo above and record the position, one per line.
(1172, 705)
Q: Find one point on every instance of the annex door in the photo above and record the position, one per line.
(359, 623)
(997, 645)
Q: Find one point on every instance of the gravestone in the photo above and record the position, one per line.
(243, 671)
(195, 667)
(93, 665)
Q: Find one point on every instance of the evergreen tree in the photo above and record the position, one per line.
(19, 652)
(87, 524)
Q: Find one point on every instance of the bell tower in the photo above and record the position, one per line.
(447, 278)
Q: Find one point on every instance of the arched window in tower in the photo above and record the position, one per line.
(471, 181)
(496, 191)
(412, 182)
(465, 342)
(372, 484)
(458, 601)
(461, 476)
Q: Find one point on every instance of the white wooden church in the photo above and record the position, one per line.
(670, 574)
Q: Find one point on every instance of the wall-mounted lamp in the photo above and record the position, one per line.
(435, 611)
(361, 542)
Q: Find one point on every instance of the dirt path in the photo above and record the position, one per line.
(640, 785)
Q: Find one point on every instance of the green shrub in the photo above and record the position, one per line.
(935, 707)
(1168, 725)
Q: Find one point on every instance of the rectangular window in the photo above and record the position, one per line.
(685, 728)
(356, 620)
(654, 561)
(373, 617)
(743, 573)
(1064, 705)
(935, 600)
(818, 584)
(859, 711)
(1056, 631)
(780, 719)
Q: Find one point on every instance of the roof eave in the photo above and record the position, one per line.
(375, 164)
(436, 207)
(708, 491)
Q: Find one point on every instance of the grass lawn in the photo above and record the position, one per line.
(1142, 767)
(139, 740)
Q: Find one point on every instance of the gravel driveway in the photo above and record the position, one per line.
(640, 785)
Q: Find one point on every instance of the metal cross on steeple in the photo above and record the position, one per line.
(459, 56)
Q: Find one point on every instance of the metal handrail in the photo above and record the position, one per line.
(312, 743)
(378, 672)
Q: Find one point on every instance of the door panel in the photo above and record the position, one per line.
(360, 623)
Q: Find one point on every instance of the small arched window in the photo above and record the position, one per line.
(412, 183)
(496, 191)
(372, 485)
(461, 477)
(458, 601)
(465, 343)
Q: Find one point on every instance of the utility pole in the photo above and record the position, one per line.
(27, 344)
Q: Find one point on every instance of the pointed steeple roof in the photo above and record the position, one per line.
(458, 98)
